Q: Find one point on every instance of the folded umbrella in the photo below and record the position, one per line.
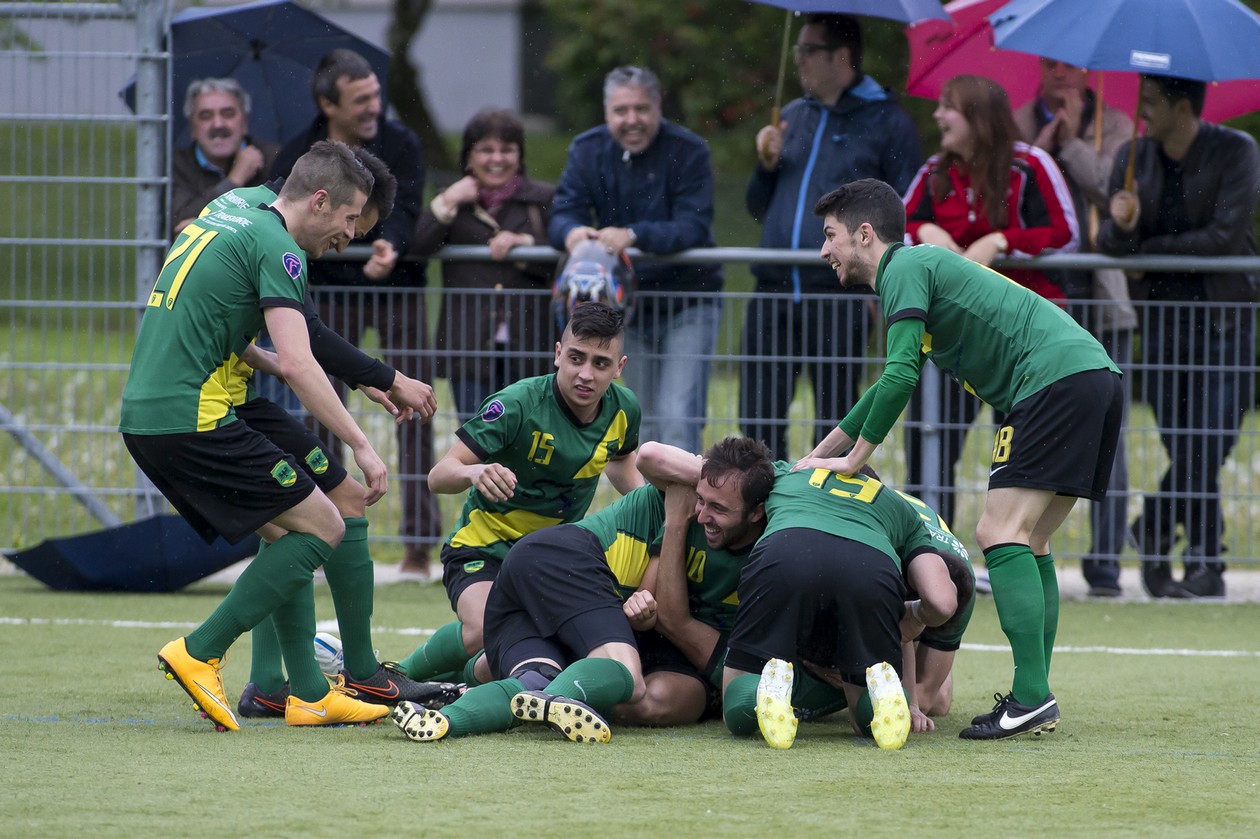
(157, 554)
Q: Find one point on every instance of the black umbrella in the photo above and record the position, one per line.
(162, 553)
(270, 47)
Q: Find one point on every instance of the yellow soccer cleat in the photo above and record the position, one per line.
(335, 708)
(891, 724)
(775, 715)
(419, 723)
(202, 681)
(575, 720)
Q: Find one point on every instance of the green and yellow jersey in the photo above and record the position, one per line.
(206, 307)
(628, 530)
(712, 580)
(854, 507)
(557, 459)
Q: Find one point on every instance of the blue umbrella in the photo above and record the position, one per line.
(270, 47)
(162, 553)
(1208, 40)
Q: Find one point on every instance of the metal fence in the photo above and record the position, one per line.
(81, 238)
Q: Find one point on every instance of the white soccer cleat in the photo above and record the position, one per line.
(775, 716)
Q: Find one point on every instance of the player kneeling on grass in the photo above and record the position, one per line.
(824, 586)
(558, 633)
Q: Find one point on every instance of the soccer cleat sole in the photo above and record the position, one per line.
(419, 723)
(775, 716)
(891, 722)
(1035, 731)
(577, 722)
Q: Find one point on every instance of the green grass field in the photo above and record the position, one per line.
(1157, 739)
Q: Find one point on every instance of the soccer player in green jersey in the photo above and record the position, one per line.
(1054, 383)
(530, 459)
(349, 571)
(226, 276)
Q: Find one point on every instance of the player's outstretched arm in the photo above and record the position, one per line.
(835, 442)
(288, 331)
(663, 465)
(461, 469)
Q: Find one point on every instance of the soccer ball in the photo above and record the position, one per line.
(328, 653)
(592, 274)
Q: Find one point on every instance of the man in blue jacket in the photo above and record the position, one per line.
(846, 127)
(640, 180)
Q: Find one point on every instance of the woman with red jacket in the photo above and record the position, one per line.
(985, 194)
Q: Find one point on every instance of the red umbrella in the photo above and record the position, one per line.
(940, 50)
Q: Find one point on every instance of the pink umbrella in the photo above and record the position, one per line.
(940, 50)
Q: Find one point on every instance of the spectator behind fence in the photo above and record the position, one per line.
(986, 193)
(222, 156)
(644, 181)
(844, 128)
(1194, 194)
(495, 326)
(347, 96)
(1064, 120)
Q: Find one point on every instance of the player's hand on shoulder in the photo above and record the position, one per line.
(494, 481)
(831, 464)
(640, 610)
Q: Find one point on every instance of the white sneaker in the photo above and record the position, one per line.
(891, 725)
(775, 716)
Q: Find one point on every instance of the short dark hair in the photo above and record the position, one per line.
(501, 124)
(841, 31)
(867, 200)
(329, 165)
(1173, 88)
(595, 320)
(384, 184)
(746, 457)
(334, 65)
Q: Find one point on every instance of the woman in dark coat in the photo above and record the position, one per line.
(495, 324)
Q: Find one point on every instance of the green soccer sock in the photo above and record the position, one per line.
(1021, 608)
(266, 668)
(469, 676)
(351, 584)
(1050, 588)
(295, 627)
(599, 682)
(739, 705)
(443, 653)
(484, 709)
(271, 579)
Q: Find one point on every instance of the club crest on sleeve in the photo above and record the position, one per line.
(292, 265)
(493, 411)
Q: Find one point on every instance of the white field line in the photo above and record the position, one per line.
(331, 626)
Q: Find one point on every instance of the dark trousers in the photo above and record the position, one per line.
(822, 338)
(399, 319)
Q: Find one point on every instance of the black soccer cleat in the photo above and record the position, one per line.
(1011, 719)
(388, 686)
(257, 703)
(577, 721)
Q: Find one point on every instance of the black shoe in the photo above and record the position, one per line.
(255, 703)
(1010, 719)
(1201, 583)
(1109, 590)
(388, 686)
(1157, 579)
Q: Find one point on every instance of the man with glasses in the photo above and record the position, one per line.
(844, 128)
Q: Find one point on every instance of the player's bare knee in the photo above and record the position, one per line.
(347, 497)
